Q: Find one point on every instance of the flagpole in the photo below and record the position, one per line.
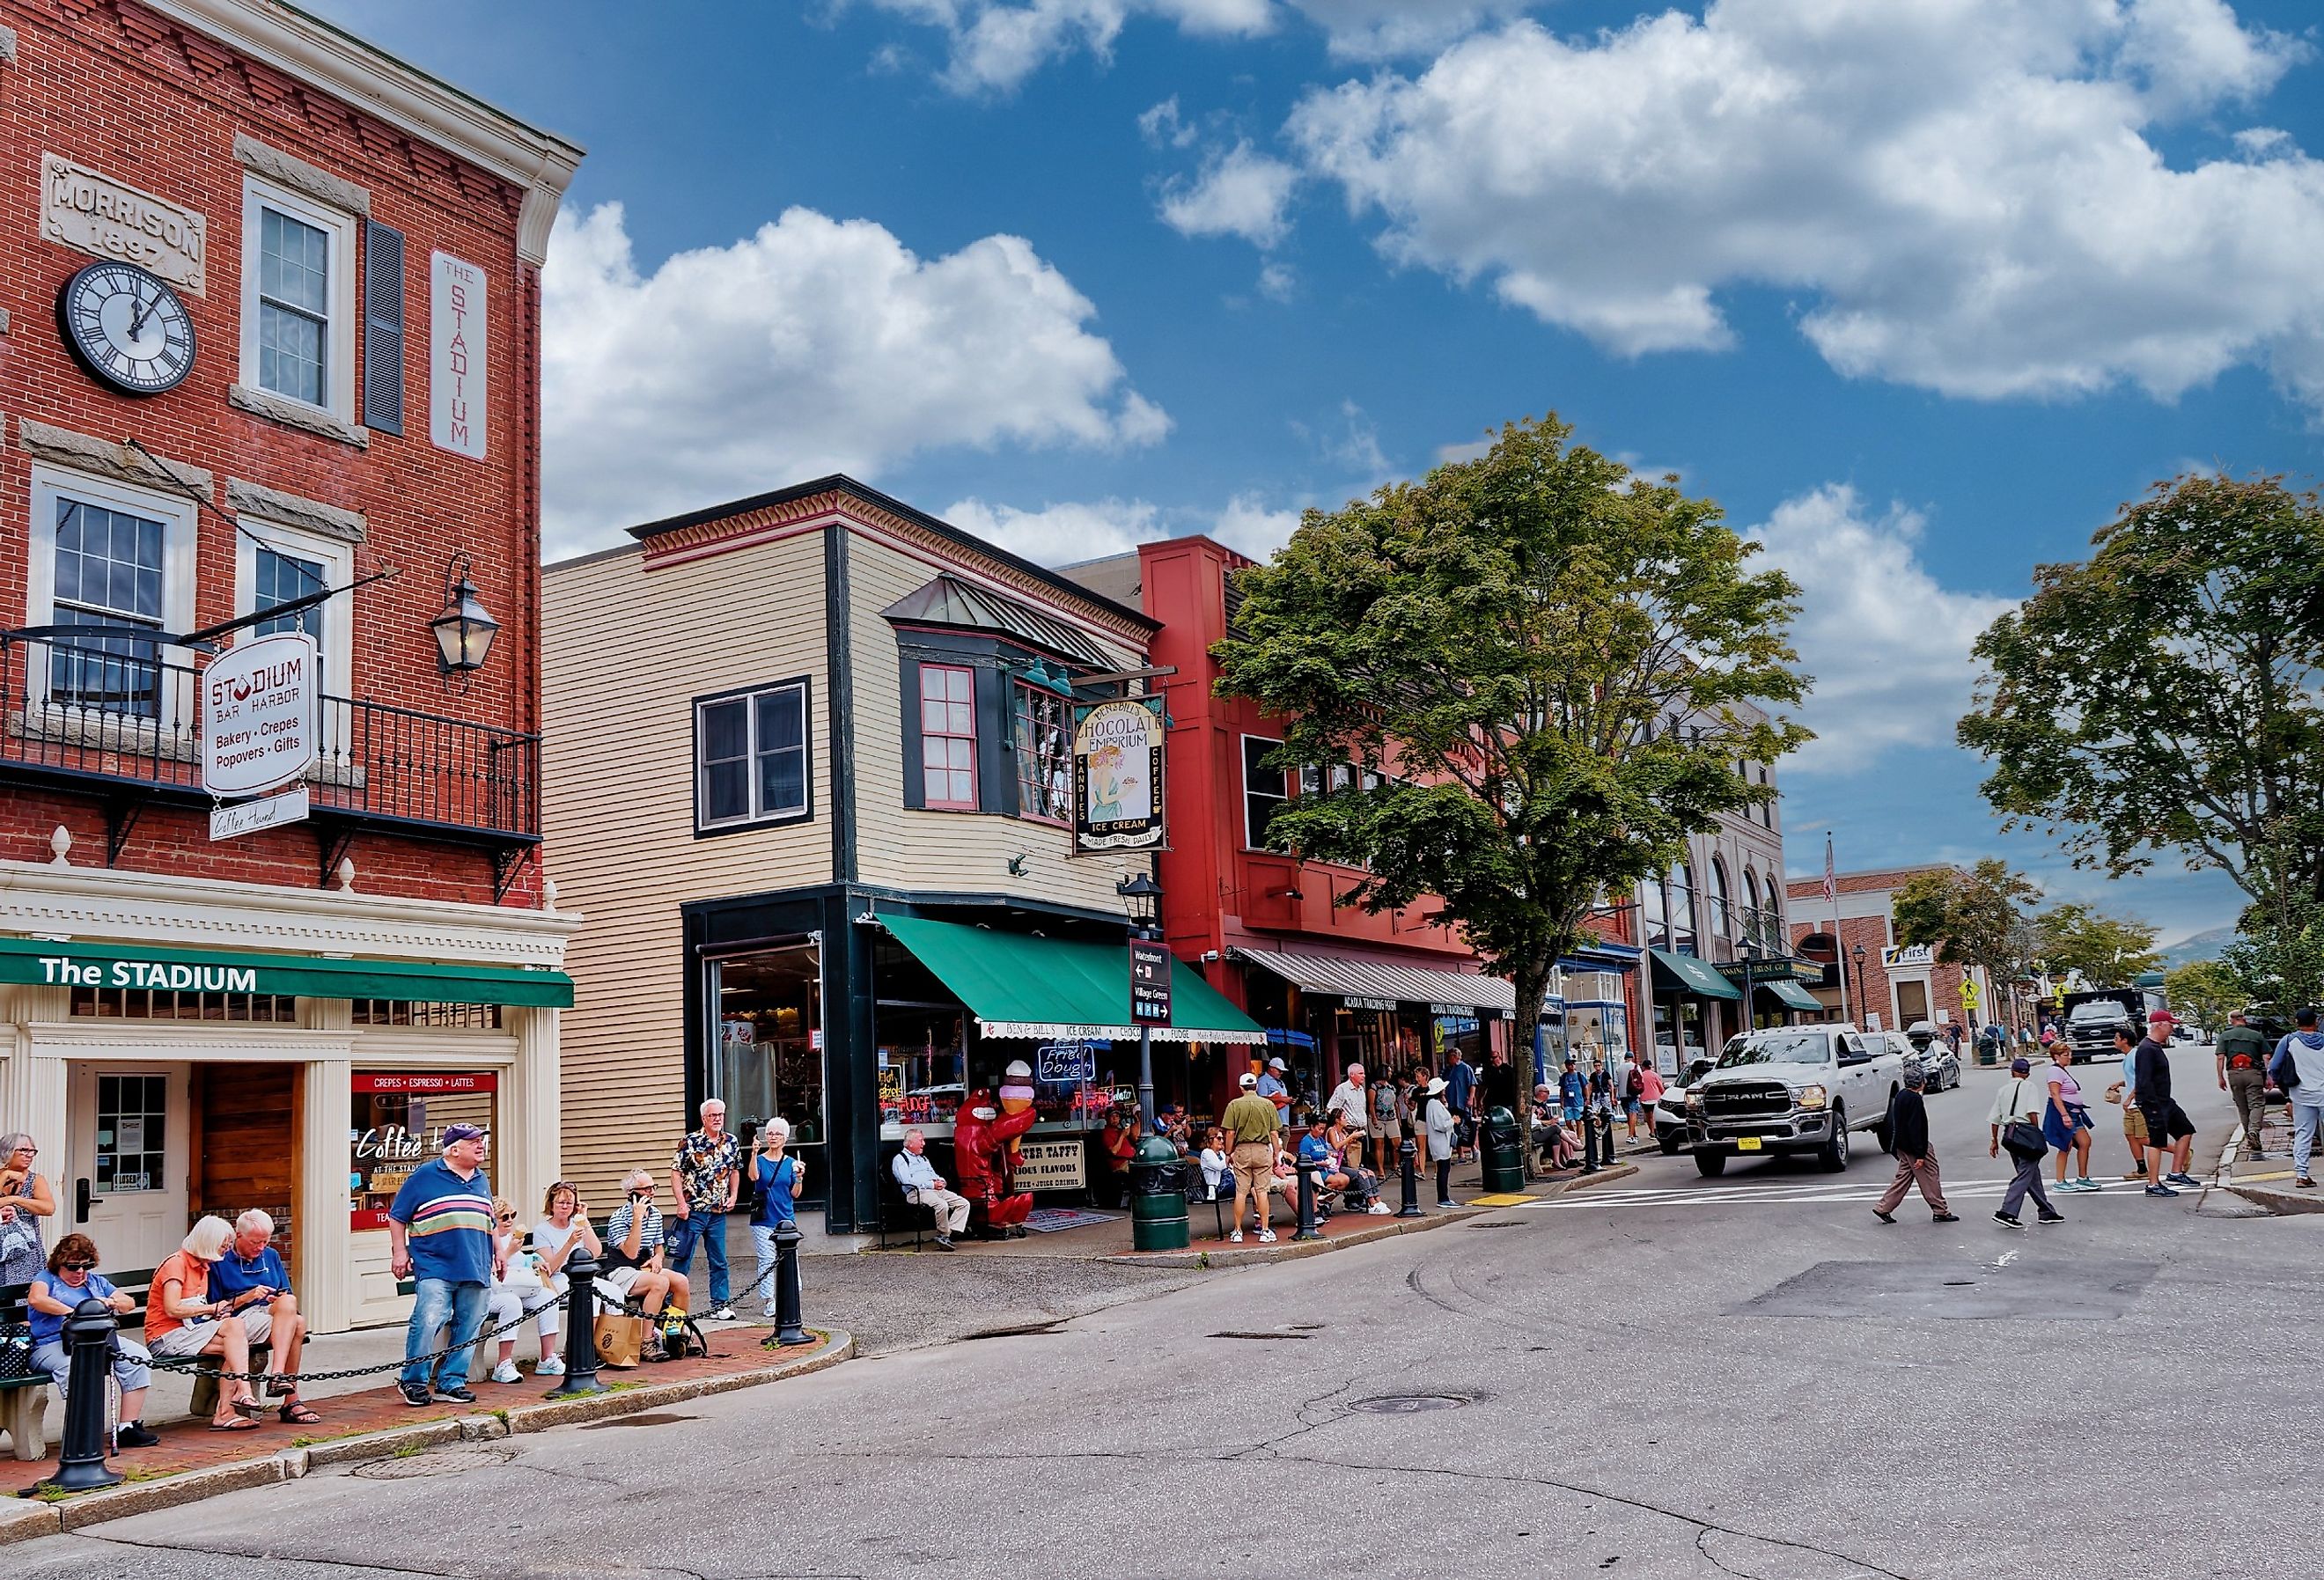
(1839, 943)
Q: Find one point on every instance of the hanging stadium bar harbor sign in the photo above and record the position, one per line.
(261, 729)
(1118, 775)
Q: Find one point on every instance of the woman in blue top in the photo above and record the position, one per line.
(71, 1278)
(780, 1178)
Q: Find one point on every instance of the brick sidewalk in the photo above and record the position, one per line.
(189, 1446)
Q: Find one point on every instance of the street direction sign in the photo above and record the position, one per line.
(1149, 982)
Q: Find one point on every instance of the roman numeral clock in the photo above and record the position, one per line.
(127, 327)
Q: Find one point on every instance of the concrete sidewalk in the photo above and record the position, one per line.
(2267, 1181)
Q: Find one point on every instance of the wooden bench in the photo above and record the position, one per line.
(23, 1400)
(897, 1210)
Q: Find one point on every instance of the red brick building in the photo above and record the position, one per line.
(1890, 985)
(1332, 983)
(270, 331)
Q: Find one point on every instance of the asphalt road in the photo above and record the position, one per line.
(1746, 1377)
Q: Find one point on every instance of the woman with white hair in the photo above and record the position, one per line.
(181, 1320)
(780, 1178)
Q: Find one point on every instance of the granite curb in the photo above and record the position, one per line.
(1289, 1250)
(26, 1519)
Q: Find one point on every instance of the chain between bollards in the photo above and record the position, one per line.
(1408, 1154)
(88, 1335)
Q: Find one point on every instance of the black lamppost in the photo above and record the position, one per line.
(1143, 897)
(1863, 1005)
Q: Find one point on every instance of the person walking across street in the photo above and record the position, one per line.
(1443, 1135)
(1917, 1156)
(2170, 1134)
(2241, 1053)
(1256, 1140)
(703, 1180)
(2134, 1122)
(2298, 1068)
(2065, 1118)
(2016, 1121)
(439, 1232)
(1597, 1120)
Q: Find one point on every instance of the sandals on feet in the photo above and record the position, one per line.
(251, 1408)
(233, 1424)
(295, 1413)
(279, 1386)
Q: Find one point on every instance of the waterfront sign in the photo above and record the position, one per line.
(260, 715)
(1118, 775)
(1149, 982)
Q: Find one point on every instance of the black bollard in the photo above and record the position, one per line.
(1408, 1154)
(1307, 1172)
(89, 1338)
(580, 1326)
(788, 1331)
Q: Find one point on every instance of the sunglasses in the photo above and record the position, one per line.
(508, 1217)
(76, 1266)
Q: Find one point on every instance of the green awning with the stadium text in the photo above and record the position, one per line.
(51, 963)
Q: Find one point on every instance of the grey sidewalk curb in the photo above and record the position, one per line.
(25, 1520)
(1288, 1249)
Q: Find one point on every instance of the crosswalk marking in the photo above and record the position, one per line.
(1806, 1193)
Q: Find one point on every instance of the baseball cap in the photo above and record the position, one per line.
(1248, 1080)
(2161, 1018)
(460, 1133)
(2018, 1066)
(1276, 1064)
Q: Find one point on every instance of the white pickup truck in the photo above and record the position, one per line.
(1793, 1089)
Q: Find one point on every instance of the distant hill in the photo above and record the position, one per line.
(2201, 946)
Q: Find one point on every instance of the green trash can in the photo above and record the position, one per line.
(1157, 1198)
(1504, 1153)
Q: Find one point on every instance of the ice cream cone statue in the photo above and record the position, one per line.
(986, 1152)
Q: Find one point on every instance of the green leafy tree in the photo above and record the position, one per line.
(2104, 951)
(1551, 669)
(2167, 694)
(2280, 958)
(1979, 916)
(2207, 991)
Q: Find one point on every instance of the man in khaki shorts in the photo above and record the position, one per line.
(1253, 1139)
(2134, 1122)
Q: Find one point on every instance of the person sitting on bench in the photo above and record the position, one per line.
(251, 1270)
(72, 1278)
(181, 1320)
(924, 1186)
(633, 1265)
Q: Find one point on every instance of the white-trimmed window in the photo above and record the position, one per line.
(1264, 790)
(948, 737)
(749, 757)
(275, 564)
(107, 553)
(298, 298)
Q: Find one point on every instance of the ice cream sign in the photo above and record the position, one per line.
(260, 714)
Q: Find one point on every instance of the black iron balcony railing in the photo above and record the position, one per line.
(109, 712)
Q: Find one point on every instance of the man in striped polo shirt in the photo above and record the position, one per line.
(441, 1229)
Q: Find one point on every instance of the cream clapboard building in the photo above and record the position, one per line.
(806, 770)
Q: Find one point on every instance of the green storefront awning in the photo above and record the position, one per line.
(76, 964)
(1677, 973)
(1050, 988)
(1792, 995)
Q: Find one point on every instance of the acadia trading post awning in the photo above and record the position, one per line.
(1051, 988)
(79, 964)
(1342, 977)
(1677, 973)
(1791, 994)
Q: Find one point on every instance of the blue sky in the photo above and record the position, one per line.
(1920, 291)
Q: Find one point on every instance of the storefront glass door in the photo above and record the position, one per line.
(126, 1177)
(769, 1049)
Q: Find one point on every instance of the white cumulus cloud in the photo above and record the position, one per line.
(1888, 644)
(812, 346)
(1961, 194)
(1065, 534)
(1239, 192)
(1377, 29)
(994, 45)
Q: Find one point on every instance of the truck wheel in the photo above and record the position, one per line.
(1833, 1153)
(1670, 1144)
(1711, 1165)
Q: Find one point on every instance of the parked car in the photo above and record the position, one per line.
(1793, 1089)
(1670, 1110)
(1926, 1049)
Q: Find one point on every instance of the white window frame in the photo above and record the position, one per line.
(1242, 776)
(180, 524)
(758, 815)
(337, 557)
(339, 327)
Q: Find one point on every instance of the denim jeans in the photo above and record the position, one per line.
(436, 1303)
(680, 1235)
(762, 1277)
(2306, 1117)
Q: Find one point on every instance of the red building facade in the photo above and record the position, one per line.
(271, 332)
(1332, 983)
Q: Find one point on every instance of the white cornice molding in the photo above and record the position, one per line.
(240, 1043)
(366, 77)
(155, 907)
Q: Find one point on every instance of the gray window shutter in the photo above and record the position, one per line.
(383, 393)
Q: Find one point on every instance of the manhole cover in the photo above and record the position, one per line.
(1407, 1404)
(453, 1461)
(649, 1419)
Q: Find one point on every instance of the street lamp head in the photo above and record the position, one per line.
(1144, 896)
(464, 631)
(1859, 954)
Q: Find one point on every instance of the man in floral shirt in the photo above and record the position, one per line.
(703, 1180)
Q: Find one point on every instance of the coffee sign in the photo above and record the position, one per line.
(261, 726)
(96, 215)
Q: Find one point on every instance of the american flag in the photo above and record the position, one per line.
(1831, 886)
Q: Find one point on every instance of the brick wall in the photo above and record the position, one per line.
(113, 86)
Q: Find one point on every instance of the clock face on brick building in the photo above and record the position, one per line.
(127, 327)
